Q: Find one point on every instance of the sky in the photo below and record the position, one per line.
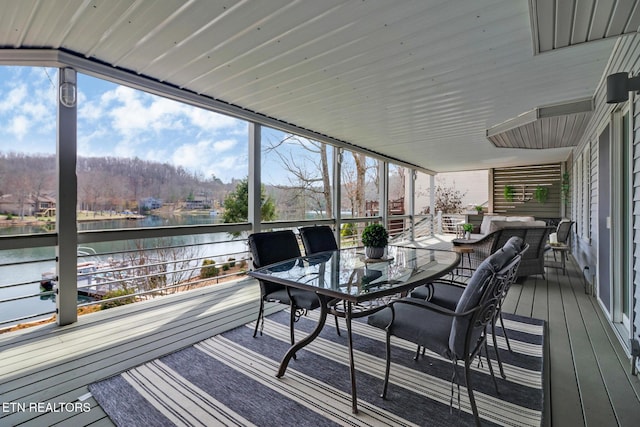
(118, 121)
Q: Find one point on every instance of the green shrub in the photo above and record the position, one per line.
(115, 303)
(232, 262)
(348, 229)
(209, 269)
(226, 267)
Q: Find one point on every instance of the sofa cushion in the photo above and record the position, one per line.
(520, 218)
(496, 225)
(485, 227)
(487, 220)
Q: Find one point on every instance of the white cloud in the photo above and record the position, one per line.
(132, 112)
(19, 126)
(119, 121)
(212, 122)
(205, 156)
(224, 145)
(14, 98)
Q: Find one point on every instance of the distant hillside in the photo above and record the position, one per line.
(106, 183)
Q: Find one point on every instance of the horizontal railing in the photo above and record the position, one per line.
(134, 264)
(121, 266)
(449, 223)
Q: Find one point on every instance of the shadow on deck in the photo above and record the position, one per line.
(588, 373)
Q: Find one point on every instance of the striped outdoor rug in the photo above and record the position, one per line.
(230, 380)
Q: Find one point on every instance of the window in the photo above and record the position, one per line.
(297, 174)
(586, 194)
(422, 193)
(398, 202)
(28, 108)
(360, 185)
(145, 161)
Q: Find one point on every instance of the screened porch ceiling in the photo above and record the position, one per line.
(418, 81)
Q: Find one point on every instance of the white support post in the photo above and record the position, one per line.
(255, 184)
(383, 188)
(337, 192)
(432, 201)
(413, 175)
(67, 189)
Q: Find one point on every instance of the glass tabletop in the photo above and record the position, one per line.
(349, 275)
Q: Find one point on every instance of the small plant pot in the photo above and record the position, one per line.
(467, 235)
(373, 253)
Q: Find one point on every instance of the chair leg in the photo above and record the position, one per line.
(337, 326)
(260, 320)
(493, 376)
(417, 353)
(504, 332)
(472, 400)
(495, 347)
(387, 366)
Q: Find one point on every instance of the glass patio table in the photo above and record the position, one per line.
(349, 285)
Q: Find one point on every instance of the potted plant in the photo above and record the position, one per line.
(566, 189)
(374, 238)
(509, 193)
(468, 228)
(478, 209)
(541, 193)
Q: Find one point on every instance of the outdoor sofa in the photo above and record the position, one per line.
(536, 236)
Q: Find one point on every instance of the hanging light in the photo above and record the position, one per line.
(68, 89)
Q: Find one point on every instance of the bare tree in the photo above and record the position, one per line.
(163, 266)
(309, 179)
(18, 181)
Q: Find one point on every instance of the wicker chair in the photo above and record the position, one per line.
(532, 261)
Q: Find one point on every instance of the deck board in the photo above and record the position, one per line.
(168, 326)
(588, 371)
(595, 402)
(613, 370)
(563, 380)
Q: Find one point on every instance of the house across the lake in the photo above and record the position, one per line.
(40, 206)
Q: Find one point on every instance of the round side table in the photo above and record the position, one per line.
(464, 250)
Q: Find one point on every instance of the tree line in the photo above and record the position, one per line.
(119, 183)
(107, 183)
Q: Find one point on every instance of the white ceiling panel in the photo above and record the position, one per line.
(417, 80)
(562, 23)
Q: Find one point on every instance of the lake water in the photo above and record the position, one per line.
(44, 260)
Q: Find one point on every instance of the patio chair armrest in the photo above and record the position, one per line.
(455, 283)
(429, 306)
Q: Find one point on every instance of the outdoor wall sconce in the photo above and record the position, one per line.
(619, 85)
(68, 87)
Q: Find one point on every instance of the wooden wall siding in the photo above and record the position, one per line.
(625, 57)
(524, 179)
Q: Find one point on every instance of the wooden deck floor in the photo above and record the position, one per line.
(589, 375)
